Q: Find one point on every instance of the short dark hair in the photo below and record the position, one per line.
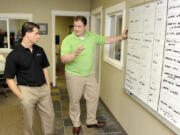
(82, 19)
(28, 27)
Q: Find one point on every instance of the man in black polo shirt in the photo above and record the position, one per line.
(28, 62)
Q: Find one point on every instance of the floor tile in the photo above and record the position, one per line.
(67, 122)
(90, 131)
(63, 124)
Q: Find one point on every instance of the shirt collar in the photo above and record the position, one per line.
(24, 48)
(85, 35)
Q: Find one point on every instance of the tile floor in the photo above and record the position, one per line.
(63, 125)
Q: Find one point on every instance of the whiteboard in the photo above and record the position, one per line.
(153, 59)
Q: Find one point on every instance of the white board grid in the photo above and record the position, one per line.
(153, 59)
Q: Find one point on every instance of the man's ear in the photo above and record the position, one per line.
(86, 27)
(27, 34)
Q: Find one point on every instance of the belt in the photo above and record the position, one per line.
(32, 85)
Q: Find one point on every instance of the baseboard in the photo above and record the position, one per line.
(121, 128)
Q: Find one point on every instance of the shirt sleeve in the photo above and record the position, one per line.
(65, 48)
(10, 67)
(45, 62)
(100, 40)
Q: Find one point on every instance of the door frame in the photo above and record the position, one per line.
(94, 13)
(55, 13)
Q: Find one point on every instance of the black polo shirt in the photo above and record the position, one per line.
(26, 65)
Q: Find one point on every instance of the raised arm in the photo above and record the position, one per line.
(114, 39)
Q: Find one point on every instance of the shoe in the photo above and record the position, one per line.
(76, 130)
(97, 125)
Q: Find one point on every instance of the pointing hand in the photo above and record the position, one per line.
(79, 49)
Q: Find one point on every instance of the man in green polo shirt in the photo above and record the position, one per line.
(77, 53)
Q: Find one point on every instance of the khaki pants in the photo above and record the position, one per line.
(78, 86)
(38, 98)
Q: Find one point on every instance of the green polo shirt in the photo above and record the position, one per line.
(82, 64)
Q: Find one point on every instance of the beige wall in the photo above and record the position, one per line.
(4, 54)
(132, 116)
(62, 29)
(134, 119)
(41, 11)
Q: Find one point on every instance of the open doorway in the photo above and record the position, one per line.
(64, 27)
(70, 14)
